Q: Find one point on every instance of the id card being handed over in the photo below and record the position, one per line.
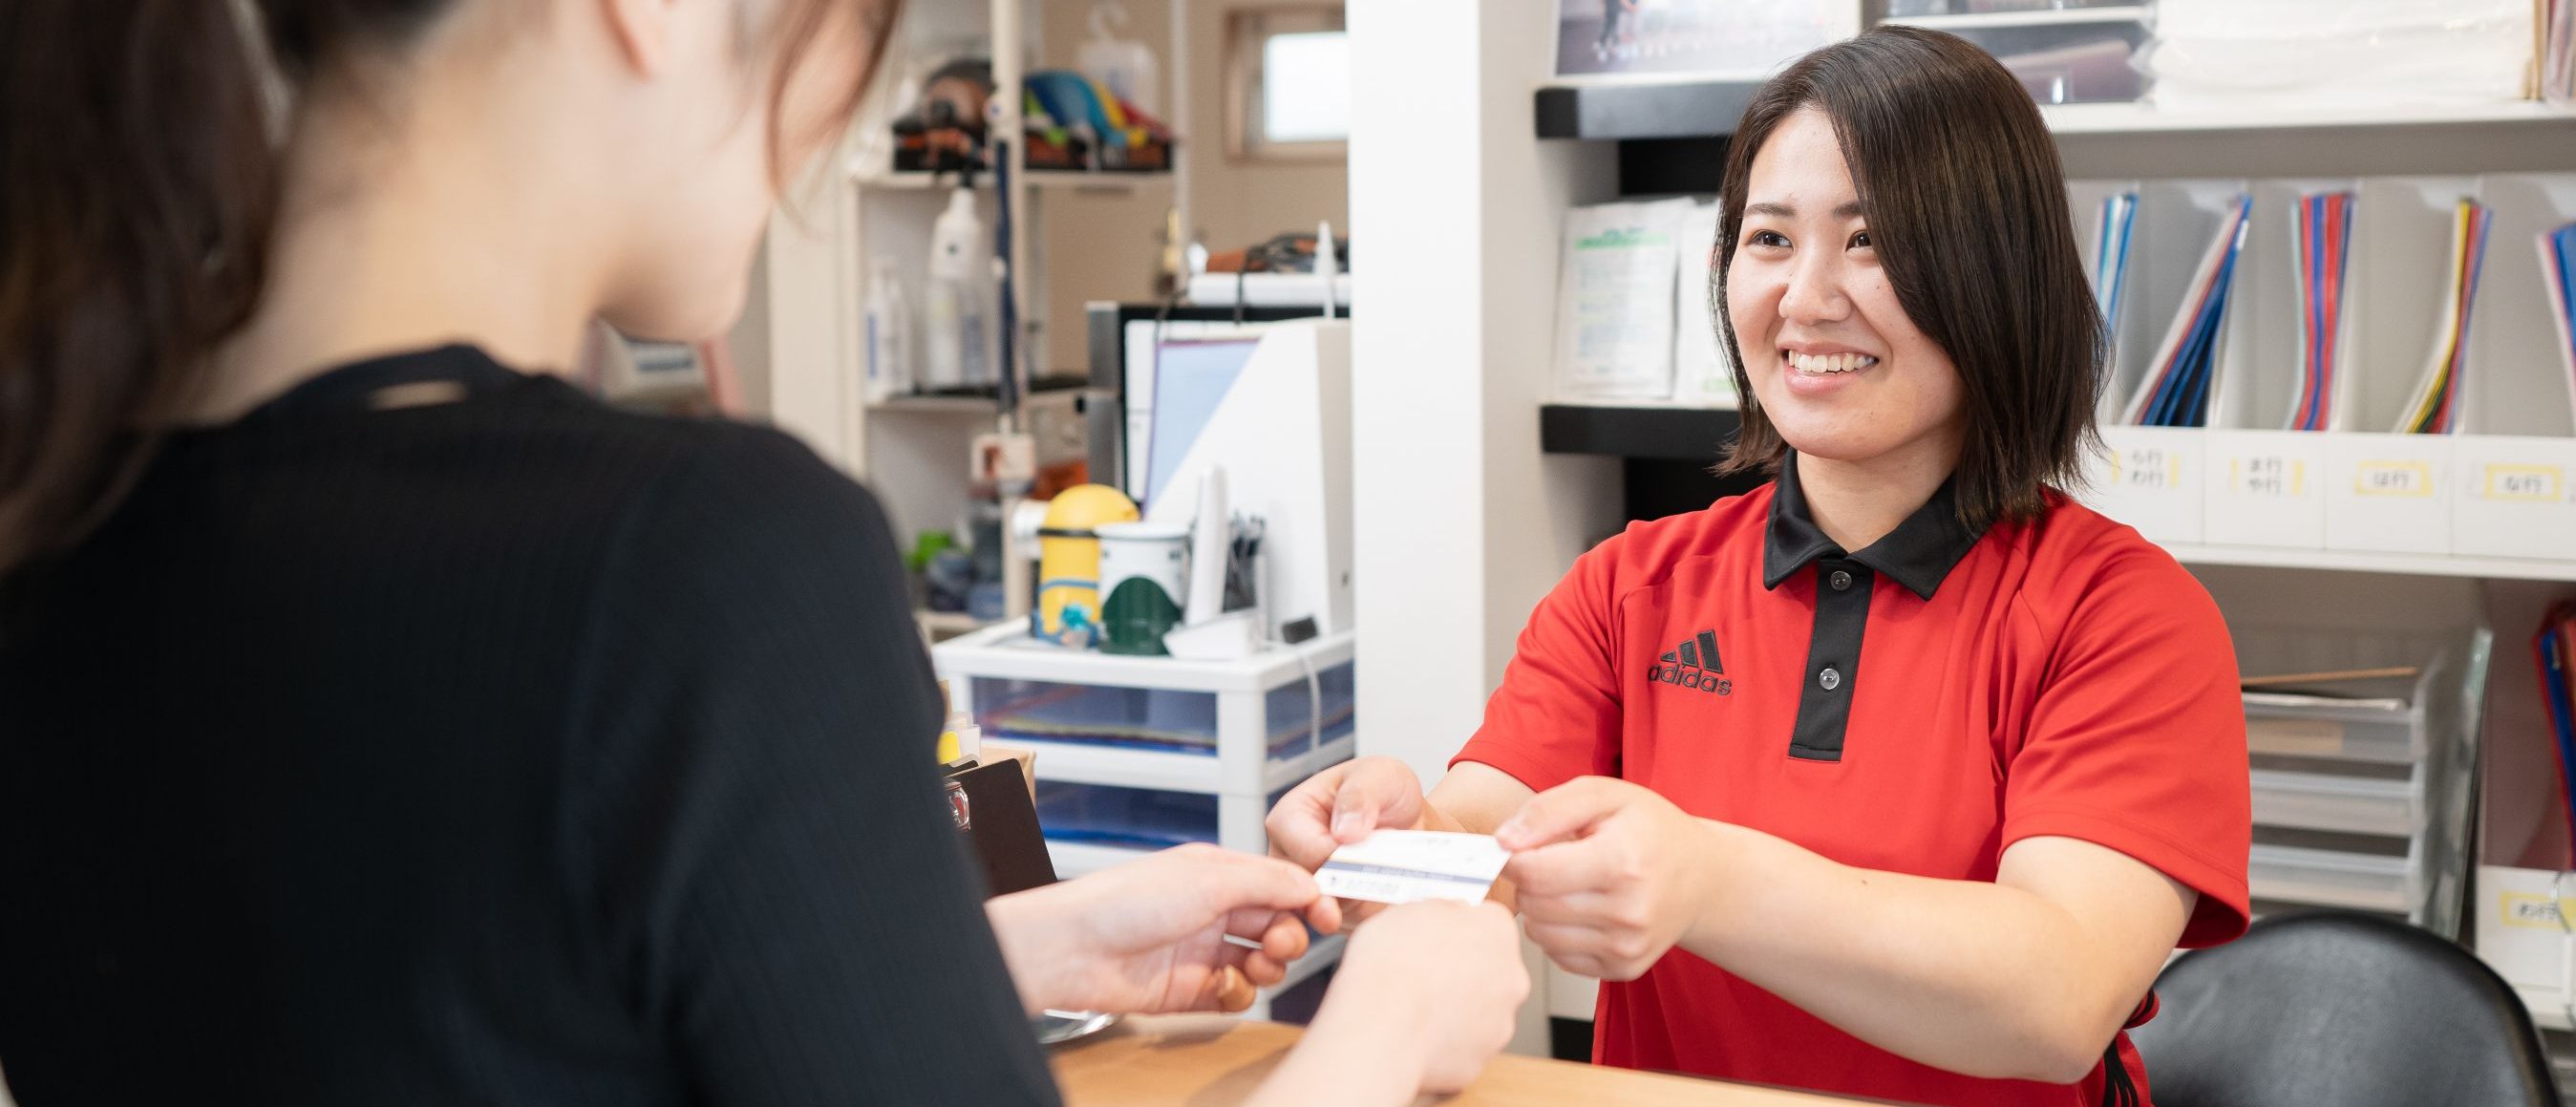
(1404, 866)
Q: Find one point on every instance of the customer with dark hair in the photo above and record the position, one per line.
(1902, 775)
(382, 721)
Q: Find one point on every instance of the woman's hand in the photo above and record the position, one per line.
(1149, 936)
(1609, 874)
(1342, 805)
(1426, 994)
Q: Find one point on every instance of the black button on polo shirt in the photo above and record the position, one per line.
(1916, 555)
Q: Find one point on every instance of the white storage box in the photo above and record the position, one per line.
(2513, 497)
(2150, 478)
(2265, 488)
(2523, 934)
(2388, 493)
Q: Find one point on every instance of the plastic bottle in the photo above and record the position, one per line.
(890, 367)
(957, 318)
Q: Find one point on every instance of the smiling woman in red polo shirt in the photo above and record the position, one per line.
(1901, 776)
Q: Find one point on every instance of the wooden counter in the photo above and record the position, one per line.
(1213, 1061)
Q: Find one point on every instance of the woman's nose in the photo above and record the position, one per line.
(1814, 294)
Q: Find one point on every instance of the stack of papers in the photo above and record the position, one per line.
(2111, 260)
(2321, 242)
(1614, 308)
(2175, 392)
(2558, 270)
(2435, 407)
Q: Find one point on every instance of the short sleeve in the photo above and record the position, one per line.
(2136, 741)
(760, 822)
(1557, 714)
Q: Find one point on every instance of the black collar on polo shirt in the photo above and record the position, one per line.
(1917, 554)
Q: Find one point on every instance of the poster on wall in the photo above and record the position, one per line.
(1705, 39)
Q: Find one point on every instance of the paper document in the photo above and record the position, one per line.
(1701, 373)
(1614, 310)
(1405, 866)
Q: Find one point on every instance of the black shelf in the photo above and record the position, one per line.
(1664, 433)
(1664, 109)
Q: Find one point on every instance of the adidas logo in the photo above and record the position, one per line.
(1693, 665)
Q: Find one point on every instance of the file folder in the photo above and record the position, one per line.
(2321, 244)
(2435, 406)
(2175, 391)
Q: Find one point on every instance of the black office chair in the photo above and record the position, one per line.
(2333, 1009)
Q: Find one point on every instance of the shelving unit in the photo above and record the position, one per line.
(1243, 772)
(864, 177)
(807, 331)
(1663, 108)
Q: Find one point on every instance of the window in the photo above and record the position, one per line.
(1288, 83)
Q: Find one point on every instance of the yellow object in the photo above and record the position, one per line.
(1069, 561)
(947, 747)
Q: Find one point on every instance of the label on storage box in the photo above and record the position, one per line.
(2524, 909)
(2146, 467)
(2401, 479)
(2512, 483)
(2269, 475)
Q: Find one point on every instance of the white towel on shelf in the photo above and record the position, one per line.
(2338, 54)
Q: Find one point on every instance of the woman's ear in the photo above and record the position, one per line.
(644, 31)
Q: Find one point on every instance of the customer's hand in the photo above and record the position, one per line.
(1149, 936)
(1609, 874)
(1426, 994)
(1342, 805)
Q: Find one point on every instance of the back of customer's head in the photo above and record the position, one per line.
(145, 182)
(1961, 185)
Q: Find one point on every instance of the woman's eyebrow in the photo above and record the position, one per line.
(1846, 210)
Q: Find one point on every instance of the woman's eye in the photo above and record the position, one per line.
(1861, 241)
(1766, 238)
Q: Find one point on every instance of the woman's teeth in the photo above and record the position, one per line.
(1829, 363)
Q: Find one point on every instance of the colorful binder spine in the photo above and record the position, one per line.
(2321, 241)
(2554, 648)
(2435, 408)
(2558, 269)
(2111, 255)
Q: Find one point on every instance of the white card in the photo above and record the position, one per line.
(1403, 866)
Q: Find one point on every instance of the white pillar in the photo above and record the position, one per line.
(1460, 524)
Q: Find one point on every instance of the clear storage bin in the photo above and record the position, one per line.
(2384, 735)
(2062, 53)
(2331, 878)
(1128, 818)
(2353, 805)
(1159, 719)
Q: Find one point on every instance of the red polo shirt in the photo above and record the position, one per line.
(1917, 707)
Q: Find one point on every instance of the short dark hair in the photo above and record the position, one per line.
(1961, 185)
